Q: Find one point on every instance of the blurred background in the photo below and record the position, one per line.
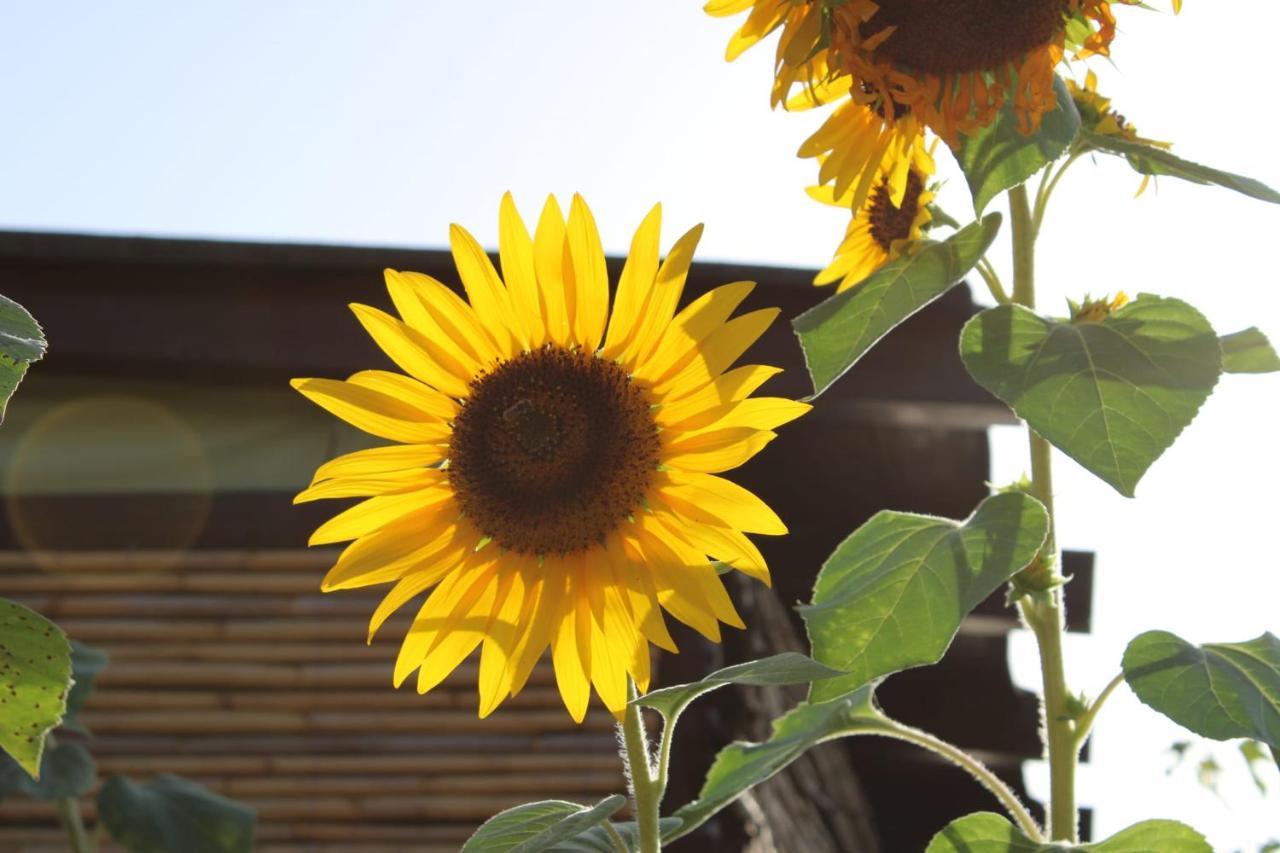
(189, 197)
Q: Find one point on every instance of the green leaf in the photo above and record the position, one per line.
(1220, 690)
(892, 596)
(66, 770)
(740, 766)
(782, 669)
(597, 840)
(1150, 160)
(985, 832)
(1248, 352)
(86, 663)
(170, 813)
(539, 826)
(35, 672)
(1113, 395)
(21, 342)
(999, 157)
(836, 333)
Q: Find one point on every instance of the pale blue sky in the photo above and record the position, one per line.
(381, 122)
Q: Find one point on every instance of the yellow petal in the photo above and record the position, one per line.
(372, 411)
(369, 515)
(590, 278)
(419, 579)
(727, 546)
(677, 592)
(693, 408)
(515, 250)
(410, 546)
(679, 343)
(662, 299)
(719, 351)
(380, 460)
(548, 259)
(448, 604)
(641, 596)
(753, 413)
(717, 450)
(408, 390)
(487, 293)
(717, 501)
(634, 285)
(465, 629)
(366, 485)
(411, 351)
(500, 641)
(444, 319)
(542, 607)
(571, 651)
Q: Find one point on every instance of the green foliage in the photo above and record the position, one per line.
(985, 832)
(542, 825)
(740, 766)
(598, 840)
(1113, 395)
(21, 342)
(786, 668)
(86, 663)
(35, 673)
(836, 333)
(1248, 351)
(1147, 159)
(892, 596)
(1219, 690)
(999, 157)
(66, 770)
(170, 813)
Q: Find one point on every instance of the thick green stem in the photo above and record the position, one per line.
(972, 766)
(646, 790)
(1043, 610)
(69, 813)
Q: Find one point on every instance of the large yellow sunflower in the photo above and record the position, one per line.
(881, 229)
(554, 477)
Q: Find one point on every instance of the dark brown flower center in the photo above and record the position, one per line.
(552, 450)
(957, 36)
(890, 222)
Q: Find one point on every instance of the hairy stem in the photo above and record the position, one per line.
(646, 790)
(973, 767)
(1084, 724)
(1043, 611)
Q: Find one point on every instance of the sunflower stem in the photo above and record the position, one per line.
(68, 810)
(1048, 183)
(1084, 724)
(646, 785)
(1043, 611)
(992, 278)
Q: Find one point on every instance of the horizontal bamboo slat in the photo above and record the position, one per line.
(231, 669)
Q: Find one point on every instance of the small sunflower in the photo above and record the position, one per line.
(1097, 115)
(881, 229)
(553, 480)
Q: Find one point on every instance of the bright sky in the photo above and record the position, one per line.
(382, 122)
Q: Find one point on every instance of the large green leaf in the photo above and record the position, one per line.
(21, 342)
(740, 766)
(999, 156)
(598, 840)
(66, 770)
(543, 825)
(35, 673)
(1113, 395)
(782, 669)
(170, 813)
(1150, 160)
(1248, 351)
(1219, 690)
(986, 832)
(836, 333)
(893, 594)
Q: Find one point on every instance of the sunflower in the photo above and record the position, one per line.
(1097, 115)
(881, 229)
(553, 480)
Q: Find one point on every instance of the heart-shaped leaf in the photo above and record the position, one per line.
(782, 669)
(892, 596)
(170, 813)
(35, 673)
(1113, 395)
(836, 333)
(986, 832)
(539, 826)
(66, 770)
(21, 342)
(999, 156)
(1152, 160)
(1248, 351)
(1219, 690)
(740, 766)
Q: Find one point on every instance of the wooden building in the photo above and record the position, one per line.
(147, 468)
